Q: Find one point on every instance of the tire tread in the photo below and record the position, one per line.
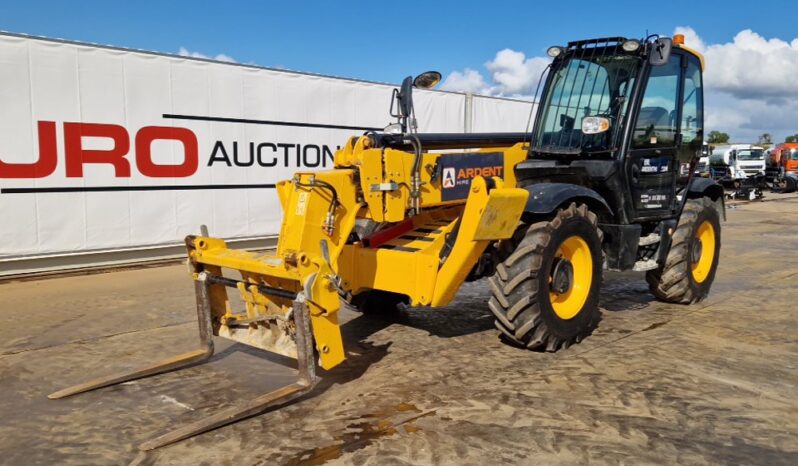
(514, 285)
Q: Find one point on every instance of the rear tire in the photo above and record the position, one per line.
(790, 184)
(534, 305)
(689, 270)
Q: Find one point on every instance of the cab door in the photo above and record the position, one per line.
(666, 136)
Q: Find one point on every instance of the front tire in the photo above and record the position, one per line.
(545, 294)
(689, 270)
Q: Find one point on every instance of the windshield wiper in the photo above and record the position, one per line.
(558, 150)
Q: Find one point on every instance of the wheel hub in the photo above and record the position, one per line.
(562, 277)
(702, 254)
(698, 249)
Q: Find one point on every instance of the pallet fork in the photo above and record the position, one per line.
(306, 368)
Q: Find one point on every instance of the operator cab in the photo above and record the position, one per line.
(623, 117)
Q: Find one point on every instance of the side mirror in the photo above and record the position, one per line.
(660, 51)
(427, 80)
(406, 97)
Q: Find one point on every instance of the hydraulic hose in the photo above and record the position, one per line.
(415, 191)
(329, 221)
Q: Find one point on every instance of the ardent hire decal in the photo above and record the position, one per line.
(457, 171)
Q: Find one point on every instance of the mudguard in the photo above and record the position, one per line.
(700, 187)
(545, 198)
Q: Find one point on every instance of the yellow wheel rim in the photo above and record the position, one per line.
(568, 304)
(702, 265)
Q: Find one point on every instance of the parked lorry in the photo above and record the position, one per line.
(735, 163)
(782, 167)
(702, 167)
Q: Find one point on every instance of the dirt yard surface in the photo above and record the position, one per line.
(715, 382)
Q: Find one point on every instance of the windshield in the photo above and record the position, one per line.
(594, 84)
(750, 154)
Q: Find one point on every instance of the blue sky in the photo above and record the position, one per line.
(383, 41)
(369, 40)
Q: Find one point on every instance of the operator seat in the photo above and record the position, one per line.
(652, 116)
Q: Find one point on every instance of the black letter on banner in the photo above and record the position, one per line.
(285, 151)
(327, 153)
(219, 147)
(313, 163)
(244, 163)
(260, 159)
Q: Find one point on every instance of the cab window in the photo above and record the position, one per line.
(656, 124)
(692, 114)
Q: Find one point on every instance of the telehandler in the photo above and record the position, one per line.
(603, 180)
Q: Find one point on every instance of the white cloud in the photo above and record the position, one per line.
(691, 38)
(466, 81)
(512, 75)
(184, 52)
(751, 82)
(750, 65)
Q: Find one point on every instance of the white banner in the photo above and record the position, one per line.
(492, 114)
(104, 148)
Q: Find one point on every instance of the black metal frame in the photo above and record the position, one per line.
(438, 141)
(626, 141)
(601, 46)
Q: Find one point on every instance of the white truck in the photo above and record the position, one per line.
(737, 162)
(702, 167)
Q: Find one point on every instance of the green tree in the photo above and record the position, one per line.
(766, 139)
(793, 138)
(717, 137)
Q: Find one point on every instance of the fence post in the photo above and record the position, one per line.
(469, 112)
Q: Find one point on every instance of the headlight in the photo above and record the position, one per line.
(555, 51)
(393, 128)
(630, 45)
(595, 125)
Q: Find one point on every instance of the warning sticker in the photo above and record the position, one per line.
(301, 204)
(457, 171)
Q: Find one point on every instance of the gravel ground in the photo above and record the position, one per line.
(656, 383)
